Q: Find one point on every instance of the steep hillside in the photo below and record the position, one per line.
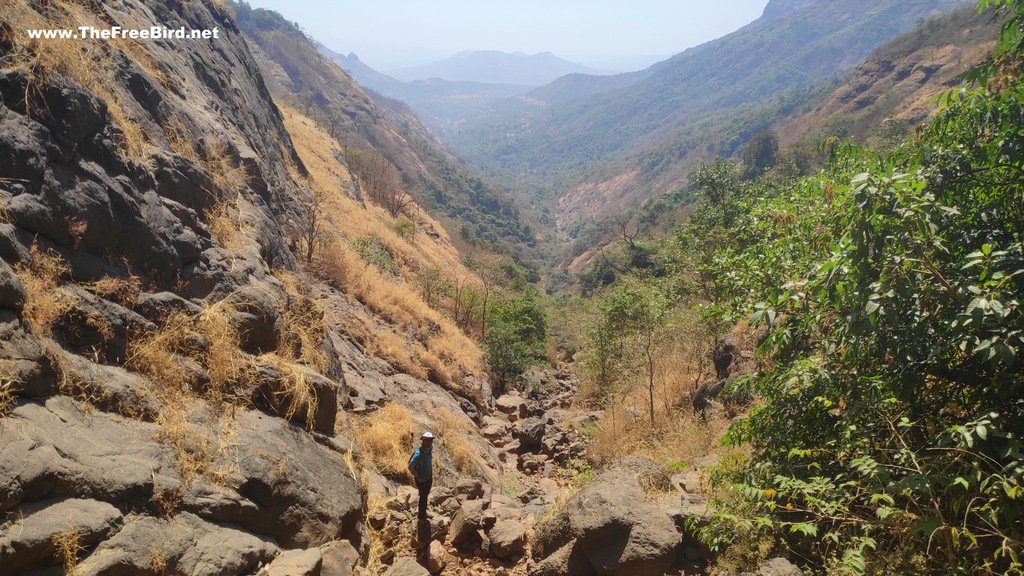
(895, 87)
(198, 316)
(299, 75)
(589, 153)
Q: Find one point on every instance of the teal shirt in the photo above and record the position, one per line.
(422, 463)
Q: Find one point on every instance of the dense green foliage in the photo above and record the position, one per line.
(889, 438)
(517, 331)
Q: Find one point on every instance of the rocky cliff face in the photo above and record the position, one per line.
(172, 398)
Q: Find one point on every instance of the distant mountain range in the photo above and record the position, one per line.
(595, 144)
(443, 105)
(494, 67)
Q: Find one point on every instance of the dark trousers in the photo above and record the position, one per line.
(424, 488)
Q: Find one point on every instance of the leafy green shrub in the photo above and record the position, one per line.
(373, 250)
(890, 435)
(515, 337)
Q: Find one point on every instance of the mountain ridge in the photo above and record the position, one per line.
(494, 67)
(574, 143)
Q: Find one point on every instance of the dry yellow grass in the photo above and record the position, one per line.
(84, 60)
(375, 503)
(318, 150)
(41, 278)
(304, 326)
(298, 395)
(438, 350)
(451, 431)
(679, 435)
(385, 437)
(69, 545)
(8, 382)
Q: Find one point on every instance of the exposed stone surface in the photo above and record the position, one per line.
(779, 567)
(296, 563)
(507, 537)
(339, 558)
(513, 406)
(406, 566)
(184, 544)
(616, 528)
(467, 521)
(437, 557)
(33, 538)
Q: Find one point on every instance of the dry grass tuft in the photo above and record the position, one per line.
(225, 222)
(229, 179)
(180, 138)
(452, 432)
(441, 351)
(375, 503)
(122, 290)
(298, 395)
(8, 383)
(202, 446)
(41, 278)
(69, 545)
(385, 437)
(209, 339)
(157, 561)
(304, 326)
(168, 502)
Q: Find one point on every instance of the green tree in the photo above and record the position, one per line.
(759, 153)
(631, 318)
(516, 337)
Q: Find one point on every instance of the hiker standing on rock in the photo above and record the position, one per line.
(422, 467)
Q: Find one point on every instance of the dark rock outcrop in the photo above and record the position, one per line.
(610, 525)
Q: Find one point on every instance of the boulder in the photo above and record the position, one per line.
(650, 473)
(339, 558)
(61, 450)
(779, 567)
(514, 407)
(306, 494)
(34, 537)
(507, 537)
(185, 544)
(437, 557)
(316, 408)
(568, 560)
(406, 566)
(97, 325)
(24, 358)
(296, 563)
(467, 521)
(469, 489)
(615, 526)
(109, 388)
(529, 432)
(158, 306)
(12, 292)
(726, 352)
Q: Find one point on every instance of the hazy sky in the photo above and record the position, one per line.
(387, 34)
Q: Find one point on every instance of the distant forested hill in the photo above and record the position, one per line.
(599, 153)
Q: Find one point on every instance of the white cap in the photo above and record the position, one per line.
(427, 436)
